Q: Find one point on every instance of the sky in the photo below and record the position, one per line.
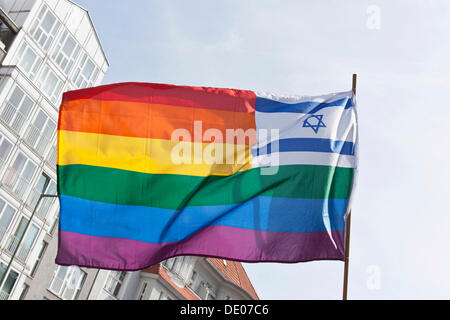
(400, 50)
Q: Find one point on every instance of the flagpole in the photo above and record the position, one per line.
(347, 227)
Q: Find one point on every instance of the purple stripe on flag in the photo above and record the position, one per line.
(215, 241)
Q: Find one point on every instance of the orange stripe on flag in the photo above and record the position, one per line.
(144, 120)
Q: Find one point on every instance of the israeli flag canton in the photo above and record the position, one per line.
(319, 130)
(318, 135)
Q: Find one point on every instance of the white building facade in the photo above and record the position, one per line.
(47, 47)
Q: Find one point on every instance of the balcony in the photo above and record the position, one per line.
(56, 285)
(52, 157)
(2, 232)
(23, 251)
(15, 183)
(13, 117)
(4, 295)
(2, 51)
(45, 205)
(36, 140)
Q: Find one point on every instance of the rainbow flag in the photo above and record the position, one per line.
(151, 171)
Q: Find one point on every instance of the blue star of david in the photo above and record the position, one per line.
(315, 127)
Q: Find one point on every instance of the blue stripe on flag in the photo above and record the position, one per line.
(268, 105)
(147, 223)
(309, 145)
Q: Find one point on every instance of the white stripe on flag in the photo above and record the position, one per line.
(308, 158)
(292, 99)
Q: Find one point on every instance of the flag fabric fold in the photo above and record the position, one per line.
(151, 171)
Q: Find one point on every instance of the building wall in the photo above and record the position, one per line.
(17, 10)
(39, 283)
(55, 50)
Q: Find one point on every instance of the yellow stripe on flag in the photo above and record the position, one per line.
(157, 156)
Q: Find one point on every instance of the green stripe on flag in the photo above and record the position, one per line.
(177, 191)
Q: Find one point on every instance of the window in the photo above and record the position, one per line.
(5, 148)
(40, 132)
(67, 282)
(28, 60)
(19, 175)
(39, 189)
(39, 258)
(44, 185)
(16, 109)
(45, 28)
(114, 282)
(206, 291)
(65, 52)
(28, 242)
(54, 224)
(51, 156)
(6, 215)
(47, 202)
(24, 292)
(193, 279)
(86, 73)
(14, 239)
(28, 239)
(50, 84)
(142, 291)
(9, 283)
(174, 264)
(164, 296)
(168, 263)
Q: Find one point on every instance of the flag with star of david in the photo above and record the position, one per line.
(320, 130)
(133, 194)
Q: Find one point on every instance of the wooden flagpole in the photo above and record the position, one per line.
(347, 227)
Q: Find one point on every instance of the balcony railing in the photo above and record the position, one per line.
(4, 295)
(13, 242)
(45, 205)
(2, 163)
(13, 117)
(33, 198)
(15, 183)
(36, 139)
(56, 285)
(52, 157)
(2, 232)
(23, 251)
